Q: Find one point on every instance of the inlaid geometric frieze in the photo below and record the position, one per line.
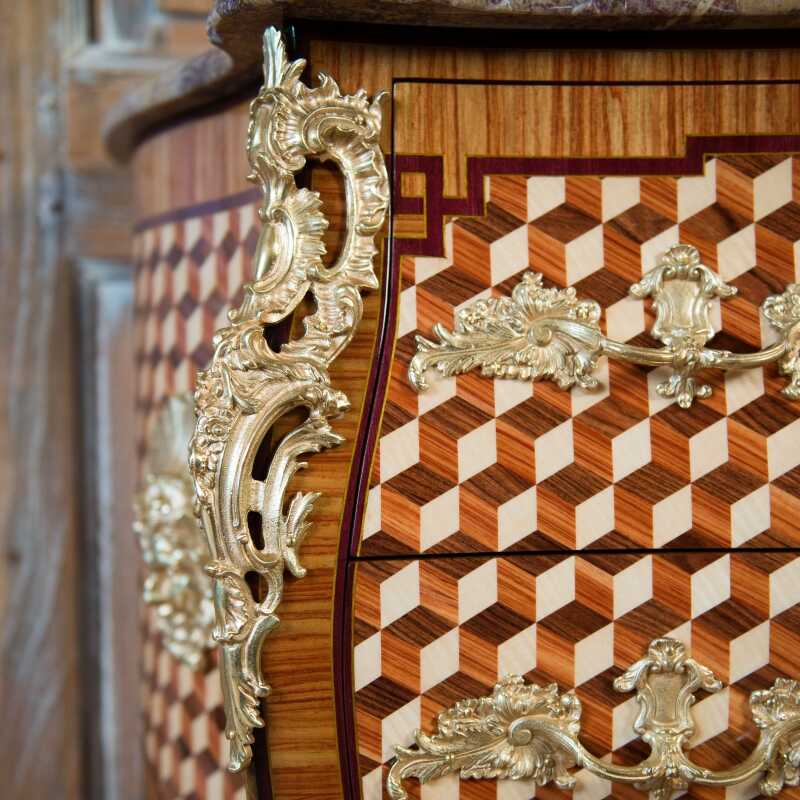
(430, 632)
(476, 464)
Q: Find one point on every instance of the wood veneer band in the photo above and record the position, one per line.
(205, 208)
(437, 206)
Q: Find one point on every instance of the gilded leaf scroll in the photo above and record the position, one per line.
(525, 731)
(174, 552)
(548, 334)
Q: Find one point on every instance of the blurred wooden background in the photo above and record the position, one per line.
(69, 680)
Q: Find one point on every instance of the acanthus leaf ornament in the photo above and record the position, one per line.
(527, 336)
(783, 312)
(173, 548)
(777, 708)
(493, 737)
(525, 731)
(249, 386)
(541, 333)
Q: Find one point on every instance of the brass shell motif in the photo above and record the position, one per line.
(526, 731)
(173, 547)
(248, 385)
(540, 333)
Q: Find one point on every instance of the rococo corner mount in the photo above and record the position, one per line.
(545, 333)
(249, 386)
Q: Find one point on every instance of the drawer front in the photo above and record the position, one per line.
(429, 633)
(587, 185)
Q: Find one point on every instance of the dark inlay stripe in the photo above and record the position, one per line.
(199, 210)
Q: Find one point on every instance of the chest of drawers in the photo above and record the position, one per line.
(512, 517)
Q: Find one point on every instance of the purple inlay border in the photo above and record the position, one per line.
(437, 206)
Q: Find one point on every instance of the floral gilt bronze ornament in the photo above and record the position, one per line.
(529, 732)
(173, 546)
(544, 333)
(249, 386)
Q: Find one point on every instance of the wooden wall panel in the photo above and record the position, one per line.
(40, 669)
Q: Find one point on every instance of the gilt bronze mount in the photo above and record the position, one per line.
(528, 732)
(173, 547)
(547, 333)
(249, 385)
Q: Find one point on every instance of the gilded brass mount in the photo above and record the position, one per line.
(529, 732)
(174, 551)
(249, 386)
(542, 333)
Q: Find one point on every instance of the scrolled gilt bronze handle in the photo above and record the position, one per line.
(249, 386)
(543, 333)
(526, 731)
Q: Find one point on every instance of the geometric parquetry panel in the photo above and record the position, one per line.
(189, 272)
(430, 632)
(185, 745)
(477, 464)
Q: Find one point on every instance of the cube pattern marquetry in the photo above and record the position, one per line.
(482, 465)
(429, 632)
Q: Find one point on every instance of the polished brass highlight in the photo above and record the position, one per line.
(249, 386)
(525, 731)
(173, 547)
(540, 333)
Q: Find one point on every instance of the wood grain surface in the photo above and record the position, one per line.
(297, 660)
(235, 27)
(204, 158)
(597, 121)
(197, 161)
(40, 745)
